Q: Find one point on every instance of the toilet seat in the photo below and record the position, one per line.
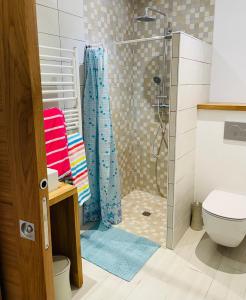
(226, 205)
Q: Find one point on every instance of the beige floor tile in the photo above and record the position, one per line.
(227, 285)
(200, 251)
(236, 257)
(111, 288)
(149, 288)
(185, 282)
(152, 227)
(94, 272)
(88, 286)
(198, 269)
(156, 266)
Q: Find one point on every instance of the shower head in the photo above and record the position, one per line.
(147, 17)
(157, 80)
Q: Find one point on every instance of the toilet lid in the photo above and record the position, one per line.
(226, 205)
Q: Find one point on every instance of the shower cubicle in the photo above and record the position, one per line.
(144, 181)
(164, 75)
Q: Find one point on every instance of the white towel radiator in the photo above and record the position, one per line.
(61, 83)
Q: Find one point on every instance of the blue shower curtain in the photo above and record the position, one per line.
(105, 202)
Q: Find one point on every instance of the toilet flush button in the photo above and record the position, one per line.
(235, 131)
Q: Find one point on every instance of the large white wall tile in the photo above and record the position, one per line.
(184, 165)
(49, 3)
(180, 227)
(185, 143)
(74, 7)
(182, 189)
(190, 95)
(70, 44)
(71, 26)
(48, 40)
(186, 120)
(193, 72)
(47, 19)
(182, 221)
(194, 49)
(183, 197)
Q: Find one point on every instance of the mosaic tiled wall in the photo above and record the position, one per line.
(150, 172)
(194, 17)
(107, 21)
(132, 69)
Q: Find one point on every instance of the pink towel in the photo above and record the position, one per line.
(56, 142)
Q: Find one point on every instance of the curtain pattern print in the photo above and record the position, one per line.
(105, 202)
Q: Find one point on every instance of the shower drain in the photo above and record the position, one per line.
(146, 213)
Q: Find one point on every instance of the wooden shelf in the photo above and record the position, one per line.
(222, 106)
(64, 191)
(65, 228)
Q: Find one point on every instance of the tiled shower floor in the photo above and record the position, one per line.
(152, 227)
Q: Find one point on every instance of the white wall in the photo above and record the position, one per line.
(61, 24)
(228, 82)
(221, 164)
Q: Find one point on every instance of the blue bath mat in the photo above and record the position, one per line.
(116, 251)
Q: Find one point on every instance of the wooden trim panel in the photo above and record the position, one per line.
(222, 106)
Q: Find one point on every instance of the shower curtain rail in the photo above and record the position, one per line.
(160, 37)
(71, 104)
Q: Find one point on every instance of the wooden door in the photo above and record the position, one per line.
(25, 265)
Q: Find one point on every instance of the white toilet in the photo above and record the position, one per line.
(224, 217)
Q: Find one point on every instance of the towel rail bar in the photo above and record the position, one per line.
(71, 111)
(56, 66)
(57, 74)
(54, 48)
(58, 99)
(45, 92)
(57, 83)
(53, 57)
